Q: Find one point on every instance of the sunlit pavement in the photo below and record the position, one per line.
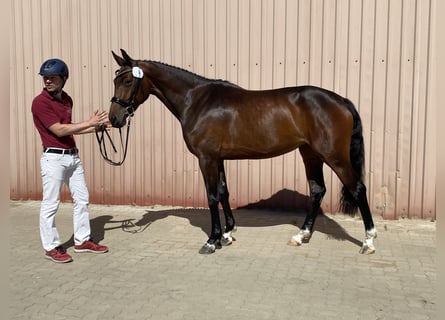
(154, 271)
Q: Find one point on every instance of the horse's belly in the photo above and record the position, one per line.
(258, 149)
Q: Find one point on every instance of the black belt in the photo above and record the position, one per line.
(61, 151)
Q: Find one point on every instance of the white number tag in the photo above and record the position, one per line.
(138, 73)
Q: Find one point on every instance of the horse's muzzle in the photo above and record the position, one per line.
(117, 121)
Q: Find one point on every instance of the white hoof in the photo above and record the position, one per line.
(299, 238)
(227, 238)
(207, 248)
(365, 249)
(368, 245)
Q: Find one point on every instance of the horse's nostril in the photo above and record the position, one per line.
(113, 119)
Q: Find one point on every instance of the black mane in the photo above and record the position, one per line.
(190, 73)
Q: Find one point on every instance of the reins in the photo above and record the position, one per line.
(103, 149)
(138, 74)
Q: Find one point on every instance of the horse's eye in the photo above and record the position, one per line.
(127, 82)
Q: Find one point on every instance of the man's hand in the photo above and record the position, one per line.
(98, 118)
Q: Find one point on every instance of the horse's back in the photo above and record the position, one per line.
(305, 97)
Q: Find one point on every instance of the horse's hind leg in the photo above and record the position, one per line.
(355, 196)
(314, 174)
(359, 194)
(223, 192)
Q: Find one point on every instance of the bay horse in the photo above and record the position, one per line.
(222, 121)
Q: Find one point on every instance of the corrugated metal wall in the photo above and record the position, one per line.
(379, 53)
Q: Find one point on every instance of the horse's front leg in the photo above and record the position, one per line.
(223, 191)
(209, 171)
(214, 241)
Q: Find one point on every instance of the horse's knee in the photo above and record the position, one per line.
(213, 200)
(317, 193)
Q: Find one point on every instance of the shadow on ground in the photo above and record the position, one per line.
(284, 207)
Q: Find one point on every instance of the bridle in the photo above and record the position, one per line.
(138, 74)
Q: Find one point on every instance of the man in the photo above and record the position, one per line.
(60, 162)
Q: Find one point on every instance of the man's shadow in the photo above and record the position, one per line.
(284, 207)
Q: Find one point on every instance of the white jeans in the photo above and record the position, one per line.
(57, 169)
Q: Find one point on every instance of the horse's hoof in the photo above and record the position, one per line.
(292, 242)
(227, 239)
(365, 249)
(368, 244)
(301, 237)
(209, 248)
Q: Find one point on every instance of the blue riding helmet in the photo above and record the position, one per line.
(54, 67)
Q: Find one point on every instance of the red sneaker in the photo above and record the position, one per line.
(90, 246)
(58, 255)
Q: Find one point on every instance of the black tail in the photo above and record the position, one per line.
(348, 204)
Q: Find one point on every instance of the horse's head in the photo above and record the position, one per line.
(129, 90)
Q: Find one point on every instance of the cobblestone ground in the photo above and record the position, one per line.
(153, 269)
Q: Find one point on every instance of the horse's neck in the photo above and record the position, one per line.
(172, 85)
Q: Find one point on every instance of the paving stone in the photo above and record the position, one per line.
(153, 269)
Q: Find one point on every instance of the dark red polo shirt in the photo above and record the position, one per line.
(46, 111)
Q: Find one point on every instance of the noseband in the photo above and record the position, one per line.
(138, 74)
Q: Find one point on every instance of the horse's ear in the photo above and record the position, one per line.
(128, 60)
(118, 59)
